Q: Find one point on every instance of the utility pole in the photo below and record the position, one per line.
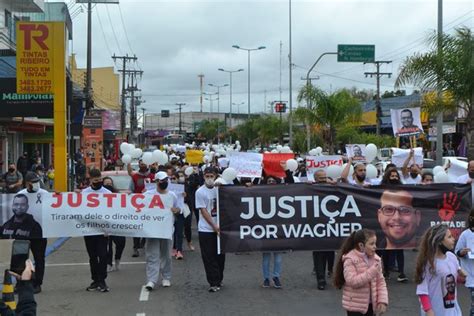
(201, 83)
(378, 75)
(133, 101)
(290, 101)
(180, 107)
(123, 111)
(439, 118)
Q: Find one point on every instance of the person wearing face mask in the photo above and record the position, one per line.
(40, 173)
(139, 179)
(427, 178)
(177, 251)
(208, 227)
(13, 179)
(464, 252)
(191, 185)
(97, 245)
(37, 245)
(119, 241)
(391, 176)
(158, 250)
(411, 175)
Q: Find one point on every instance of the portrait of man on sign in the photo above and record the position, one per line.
(21, 225)
(398, 219)
(406, 122)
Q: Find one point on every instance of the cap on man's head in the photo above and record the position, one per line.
(210, 170)
(160, 175)
(31, 177)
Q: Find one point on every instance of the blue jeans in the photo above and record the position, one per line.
(178, 232)
(277, 259)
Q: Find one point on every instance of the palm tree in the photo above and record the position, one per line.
(331, 111)
(452, 71)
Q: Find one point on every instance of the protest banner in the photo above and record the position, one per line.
(247, 165)
(320, 217)
(194, 156)
(399, 156)
(178, 189)
(223, 162)
(456, 169)
(69, 214)
(315, 163)
(271, 164)
(406, 122)
(356, 152)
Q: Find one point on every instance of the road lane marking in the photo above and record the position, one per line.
(87, 263)
(140, 314)
(144, 295)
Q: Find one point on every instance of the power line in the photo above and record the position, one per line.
(113, 30)
(103, 33)
(125, 30)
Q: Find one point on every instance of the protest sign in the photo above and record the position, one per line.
(356, 152)
(310, 217)
(223, 162)
(69, 214)
(194, 156)
(247, 165)
(406, 122)
(271, 164)
(315, 163)
(399, 156)
(456, 169)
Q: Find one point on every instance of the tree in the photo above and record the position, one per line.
(331, 111)
(208, 129)
(452, 71)
(263, 130)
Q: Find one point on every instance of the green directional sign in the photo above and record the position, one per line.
(355, 53)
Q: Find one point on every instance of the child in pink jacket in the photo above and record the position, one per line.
(359, 274)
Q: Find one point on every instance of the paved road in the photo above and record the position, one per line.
(67, 276)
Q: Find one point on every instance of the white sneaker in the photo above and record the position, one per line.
(110, 268)
(117, 265)
(150, 286)
(166, 283)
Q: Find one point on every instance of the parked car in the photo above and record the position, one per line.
(122, 181)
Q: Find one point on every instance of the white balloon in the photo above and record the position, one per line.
(319, 150)
(148, 158)
(334, 171)
(124, 148)
(206, 159)
(313, 152)
(286, 149)
(437, 169)
(351, 170)
(441, 177)
(220, 181)
(238, 148)
(126, 159)
(237, 142)
(229, 174)
(162, 159)
(370, 152)
(279, 148)
(292, 164)
(189, 171)
(274, 151)
(137, 153)
(131, 148)
(156, 155)
(371, 172)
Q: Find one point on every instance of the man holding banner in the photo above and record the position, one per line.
(158, 250)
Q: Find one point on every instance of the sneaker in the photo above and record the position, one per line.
(150, 286)
(93, 287)
(179, 255)
(135, 253)
(214, 289)
(276, 283)
(102, 287)
(166, 283)
(37, 289)
(190, 246)
(402, 278)
(266, 283)
(321, 287)
(110, 268)
(117, 264)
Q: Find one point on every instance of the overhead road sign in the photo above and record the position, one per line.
(355, 53)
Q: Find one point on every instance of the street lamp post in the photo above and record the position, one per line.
(248, 83)
(218, 104)
(230, 88)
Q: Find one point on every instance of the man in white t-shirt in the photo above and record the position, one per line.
(158, 250)
(97, 245)
(358, 178)
(469, 176)
(208, 227)
(412, 174)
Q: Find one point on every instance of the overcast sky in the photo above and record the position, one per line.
(177, 40)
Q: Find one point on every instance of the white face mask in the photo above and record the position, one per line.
(209, 182)
(35, 186)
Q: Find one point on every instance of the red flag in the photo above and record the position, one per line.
(271, 164)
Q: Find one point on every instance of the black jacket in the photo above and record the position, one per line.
(28, 228)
